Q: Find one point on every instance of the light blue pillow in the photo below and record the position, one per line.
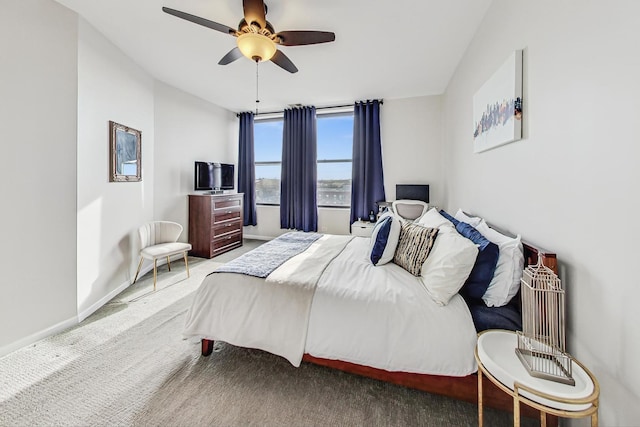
(384, 239)
(454, 221)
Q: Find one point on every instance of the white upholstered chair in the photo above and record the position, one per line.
(410, 209)
(159, 239)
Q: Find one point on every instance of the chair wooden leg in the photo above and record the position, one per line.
(186, 263)
(169, 263)
(138, 271)
(155, 274)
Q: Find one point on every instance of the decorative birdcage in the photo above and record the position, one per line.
(541, 344)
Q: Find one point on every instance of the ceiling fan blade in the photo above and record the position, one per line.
(200, 21)
(298, 38)
(254, 11)
(282, 61)
(231, 56)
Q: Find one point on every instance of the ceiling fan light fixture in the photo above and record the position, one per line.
(256, 47)
(256, 38)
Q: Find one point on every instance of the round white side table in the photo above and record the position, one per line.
(497, 360)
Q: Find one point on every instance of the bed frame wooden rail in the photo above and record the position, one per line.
(461, 388)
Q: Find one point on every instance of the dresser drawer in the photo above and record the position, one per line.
(224, 204)
(226, 227)
(227, 214)
(225, 242)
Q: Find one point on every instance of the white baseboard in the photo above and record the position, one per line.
(146, 267)
(23, 342)
(57, 328)
(102, 301)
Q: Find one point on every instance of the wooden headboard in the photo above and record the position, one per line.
(531, 254)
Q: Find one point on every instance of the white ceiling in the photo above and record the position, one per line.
(391, 49)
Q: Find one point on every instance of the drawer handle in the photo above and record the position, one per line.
(228, 237)
(229, 212)
(227, 225)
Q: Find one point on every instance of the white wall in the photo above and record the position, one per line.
(569, 184)
(187, 129)
(411, 136)
(72, 233)
(38, 86)
(330, 220)
(411, 133)
(110, 87)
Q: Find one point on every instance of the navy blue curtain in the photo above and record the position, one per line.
(367, 178)
(246, 168)
(298, 205)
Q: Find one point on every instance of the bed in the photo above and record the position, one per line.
(324, 302)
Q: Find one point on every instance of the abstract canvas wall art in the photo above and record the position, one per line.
(497, 106)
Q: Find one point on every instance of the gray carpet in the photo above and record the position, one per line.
(127, 364)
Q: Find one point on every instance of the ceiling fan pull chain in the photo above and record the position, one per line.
(257, 97)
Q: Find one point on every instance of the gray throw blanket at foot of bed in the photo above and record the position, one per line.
(261, 261)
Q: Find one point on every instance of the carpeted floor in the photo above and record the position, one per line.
(128, 364)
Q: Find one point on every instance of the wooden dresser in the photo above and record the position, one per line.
(215, 223)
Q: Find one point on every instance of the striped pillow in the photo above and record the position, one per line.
(414, 246)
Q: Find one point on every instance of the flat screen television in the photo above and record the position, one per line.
(412, 192)
(210, 176)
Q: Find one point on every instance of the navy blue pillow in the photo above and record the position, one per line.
(381, 236)
(485, 266)
(449, 217)
(505, 317)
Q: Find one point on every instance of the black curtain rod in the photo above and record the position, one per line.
(317, 108)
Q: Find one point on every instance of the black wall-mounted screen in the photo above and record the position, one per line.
(412, 192)
(208, 176)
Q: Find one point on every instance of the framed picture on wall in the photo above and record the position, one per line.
(497, 106)
(125, 160)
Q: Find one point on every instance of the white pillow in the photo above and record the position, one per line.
(448, 265)
(384, 240)
(471, 220)
(433, 219)
(506, 279)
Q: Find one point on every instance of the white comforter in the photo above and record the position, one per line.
(271, 314)
(374, 316)
(382, 316)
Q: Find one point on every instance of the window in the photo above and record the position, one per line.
(335, 147)
(335, 142)
(267, 136)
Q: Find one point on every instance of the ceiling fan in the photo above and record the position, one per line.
(256, 37)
